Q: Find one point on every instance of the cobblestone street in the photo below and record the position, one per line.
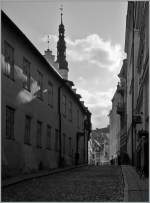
(90, 183)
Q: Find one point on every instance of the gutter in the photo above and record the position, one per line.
(60, 125)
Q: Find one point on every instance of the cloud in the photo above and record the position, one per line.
(93, 67)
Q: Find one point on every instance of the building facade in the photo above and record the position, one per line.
(134, 89)
(137, 49)
(99, 146)
(44, 123)
(114, 121)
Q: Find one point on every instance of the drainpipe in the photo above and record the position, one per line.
(133, 87)
(60, 125)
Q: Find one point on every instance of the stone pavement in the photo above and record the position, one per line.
(27, 176)
(136, 189)
(89, 183)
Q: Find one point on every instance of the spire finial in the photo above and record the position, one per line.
(48, 42)
(61, 9)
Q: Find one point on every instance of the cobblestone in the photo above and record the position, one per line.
(90, 183)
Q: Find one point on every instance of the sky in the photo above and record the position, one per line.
(95, 37)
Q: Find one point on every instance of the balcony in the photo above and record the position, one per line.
(120, 108)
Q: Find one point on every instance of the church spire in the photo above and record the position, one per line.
(61, 50)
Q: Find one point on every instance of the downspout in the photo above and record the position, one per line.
(60, 125)
(133, 88)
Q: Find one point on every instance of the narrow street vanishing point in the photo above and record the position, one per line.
(89, 183)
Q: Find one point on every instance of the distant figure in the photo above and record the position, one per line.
(111, 161)
(119, 160)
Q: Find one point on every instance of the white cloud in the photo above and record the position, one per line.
(95, 50)
(92, 49)
(93, 66)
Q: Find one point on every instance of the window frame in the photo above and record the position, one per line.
(50, 94)
(39, 134)
(26, 71)
(48, 136)
(10, 122)
(8, 61)
(27, 133)
(40, 84)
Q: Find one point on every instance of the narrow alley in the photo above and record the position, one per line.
(89, 183)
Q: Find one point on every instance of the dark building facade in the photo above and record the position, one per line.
(137, 49)
(44, 123)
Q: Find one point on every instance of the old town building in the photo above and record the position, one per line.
(137, 49)
(134, 89)
(99, 146)
(44, 123)
(114, 121)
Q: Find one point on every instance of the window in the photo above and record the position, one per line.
(27, 130)
(78, 119)
(9, 60)
(39, 134)
(9, 122)
(64, 105)
(56, 140)
(40, 85)
(64, 143)
(50, 94)
(26, 71)
(70, 145)
(70, 111)
(48, 137)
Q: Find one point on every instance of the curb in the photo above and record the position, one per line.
(125, 197)
(15, 180)
(133, 191)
